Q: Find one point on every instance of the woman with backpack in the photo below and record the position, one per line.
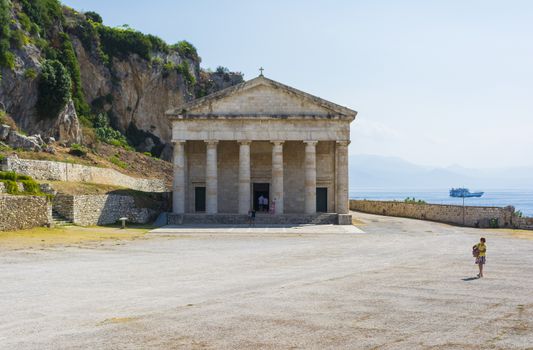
(479, 251)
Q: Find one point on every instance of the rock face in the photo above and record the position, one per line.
(4, 132)
(142, 92)
(67, 126)
(135, 92)
(27, 143)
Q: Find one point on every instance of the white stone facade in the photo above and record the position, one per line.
(261, 138)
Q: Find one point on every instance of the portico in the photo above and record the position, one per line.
(261, 137)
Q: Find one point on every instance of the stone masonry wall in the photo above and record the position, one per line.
(452, 214)
(24, 212)
(523, 223)
(90, 210)
(58, 171)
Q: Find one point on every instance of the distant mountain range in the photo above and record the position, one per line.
(372, 171)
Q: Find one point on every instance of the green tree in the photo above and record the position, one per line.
(7, 59)
(93, 16)
(54, 89)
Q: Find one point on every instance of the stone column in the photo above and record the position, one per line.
(244, 177)
(211, 178)
(342, 177)
(277, 176)
(310, 177)
(178, 190)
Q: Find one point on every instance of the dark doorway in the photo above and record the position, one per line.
(199, 199)
(261, 190)
(322, 199)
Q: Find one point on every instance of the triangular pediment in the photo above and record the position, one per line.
(261, 96)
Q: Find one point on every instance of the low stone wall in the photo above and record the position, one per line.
(523, 223)
(90, 210)
(452, 214)
(58, 171)
(24, 212)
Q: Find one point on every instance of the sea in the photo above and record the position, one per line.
(522, 200)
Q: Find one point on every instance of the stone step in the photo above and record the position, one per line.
(260, 219)
(60, 220)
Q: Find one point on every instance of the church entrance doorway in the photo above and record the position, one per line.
(322, 199)
(261, 191)
(199, 199)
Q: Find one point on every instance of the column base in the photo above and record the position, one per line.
(344, 219)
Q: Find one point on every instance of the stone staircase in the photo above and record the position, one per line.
(60, 220)
(260, 219)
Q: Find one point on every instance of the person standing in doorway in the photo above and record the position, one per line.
(265, 203)
(480, 251)
(260, 202)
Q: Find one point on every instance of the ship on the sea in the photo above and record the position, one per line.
(464, 193)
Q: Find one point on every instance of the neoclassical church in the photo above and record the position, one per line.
(264, 146)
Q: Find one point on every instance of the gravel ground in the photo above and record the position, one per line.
(402, 284)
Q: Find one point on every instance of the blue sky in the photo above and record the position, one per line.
(435, 82)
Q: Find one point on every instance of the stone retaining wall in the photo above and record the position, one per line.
(451, 214)
(24, 212)
(90, 210)
(58, 171)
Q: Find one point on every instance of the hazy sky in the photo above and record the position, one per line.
(434, 82)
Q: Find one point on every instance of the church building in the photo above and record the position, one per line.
(264, 146)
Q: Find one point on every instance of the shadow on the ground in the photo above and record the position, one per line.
(470, 279)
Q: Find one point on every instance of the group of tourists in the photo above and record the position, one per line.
(262, 206)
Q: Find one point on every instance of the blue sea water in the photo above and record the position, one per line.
(521, 199)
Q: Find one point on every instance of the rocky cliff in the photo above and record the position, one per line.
(118, 78)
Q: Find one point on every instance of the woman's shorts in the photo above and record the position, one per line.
(480, 260)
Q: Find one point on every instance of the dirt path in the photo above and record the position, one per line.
(403, 284)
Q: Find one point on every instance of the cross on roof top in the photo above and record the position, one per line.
(261, 70)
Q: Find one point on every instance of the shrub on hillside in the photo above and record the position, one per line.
(54, 89)
(7, 59)
(184, 70)
(113, 137)
(44, 13)
(30, 73)
(78, 150)
(93, 16)
(121, 42)
(115, 160)
(70, 62)
(10, 180)
(186, 49)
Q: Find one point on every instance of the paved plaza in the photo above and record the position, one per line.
(393, 284)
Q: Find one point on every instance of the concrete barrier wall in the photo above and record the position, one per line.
(58, 171)
(24, 212)
(452, 214)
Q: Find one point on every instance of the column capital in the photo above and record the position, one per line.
(343, 143)
(277, 142)
(175, 142)
(310, 143)
(211, 142)
(244, 142)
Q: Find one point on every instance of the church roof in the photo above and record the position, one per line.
(200, 104)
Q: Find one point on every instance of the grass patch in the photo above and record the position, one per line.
(116, 161)
(41, 237)
(10, 179)
(83, 188)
